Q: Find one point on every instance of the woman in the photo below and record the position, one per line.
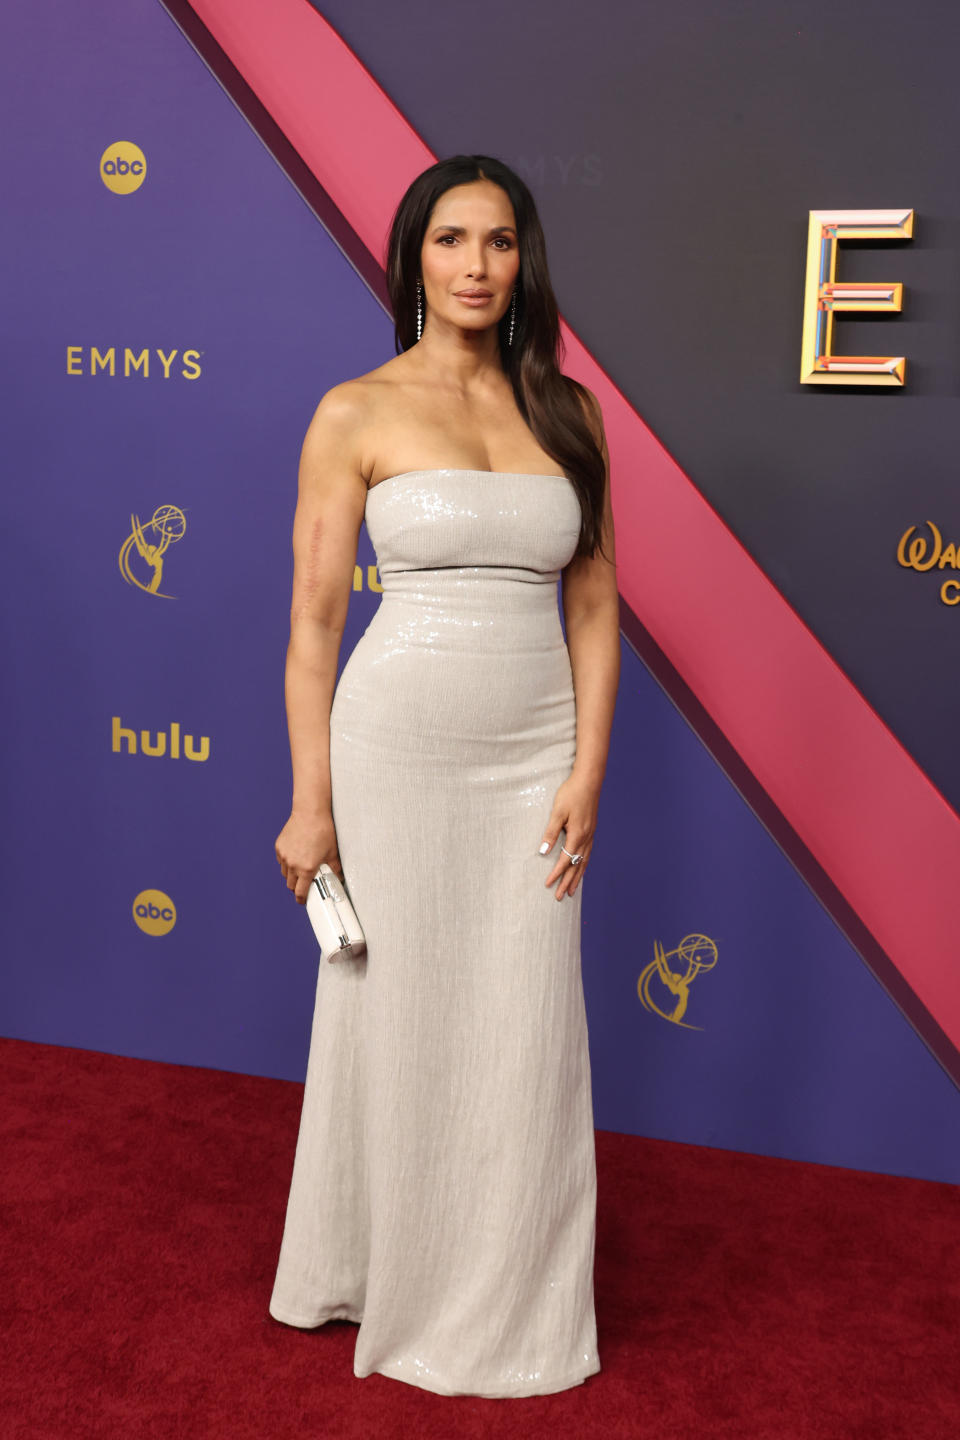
(444, 1184)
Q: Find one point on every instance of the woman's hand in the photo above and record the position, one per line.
(574, 810)
(304, 843)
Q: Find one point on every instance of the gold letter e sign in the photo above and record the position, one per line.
(823, 295)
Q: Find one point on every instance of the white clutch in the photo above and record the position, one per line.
(333, 917)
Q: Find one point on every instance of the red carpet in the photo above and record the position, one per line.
(737, 1296)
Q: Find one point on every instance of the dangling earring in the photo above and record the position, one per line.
(419, 308)
(513, 315)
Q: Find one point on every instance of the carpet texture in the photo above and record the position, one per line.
(737, 1296)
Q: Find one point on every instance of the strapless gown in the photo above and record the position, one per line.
(444, 1184)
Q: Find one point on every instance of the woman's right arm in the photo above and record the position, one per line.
(331, 498)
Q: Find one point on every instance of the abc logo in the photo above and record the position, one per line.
(154, 912)
(123, 167)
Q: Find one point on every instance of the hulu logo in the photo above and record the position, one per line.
(158, 746)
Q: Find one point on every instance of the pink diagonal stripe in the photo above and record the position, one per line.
(869, 815)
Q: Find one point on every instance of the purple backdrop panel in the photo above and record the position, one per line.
(793, 1049)
(216, 262)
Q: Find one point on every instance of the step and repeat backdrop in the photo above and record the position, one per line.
(174, 311)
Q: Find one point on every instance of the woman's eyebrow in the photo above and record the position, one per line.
(461, 229)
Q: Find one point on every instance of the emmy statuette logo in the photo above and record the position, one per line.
(660, 980)
(150, 542)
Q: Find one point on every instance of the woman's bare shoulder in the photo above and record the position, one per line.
(359, 398)
(351, 413)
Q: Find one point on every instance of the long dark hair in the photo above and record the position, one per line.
(547, 399)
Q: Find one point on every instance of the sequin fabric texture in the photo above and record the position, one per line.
(444, 1186)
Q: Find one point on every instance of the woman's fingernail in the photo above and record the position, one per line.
(544, 847)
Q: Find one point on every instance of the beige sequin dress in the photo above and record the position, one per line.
(444, 1183)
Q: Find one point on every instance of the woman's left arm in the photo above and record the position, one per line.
(591, 615)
